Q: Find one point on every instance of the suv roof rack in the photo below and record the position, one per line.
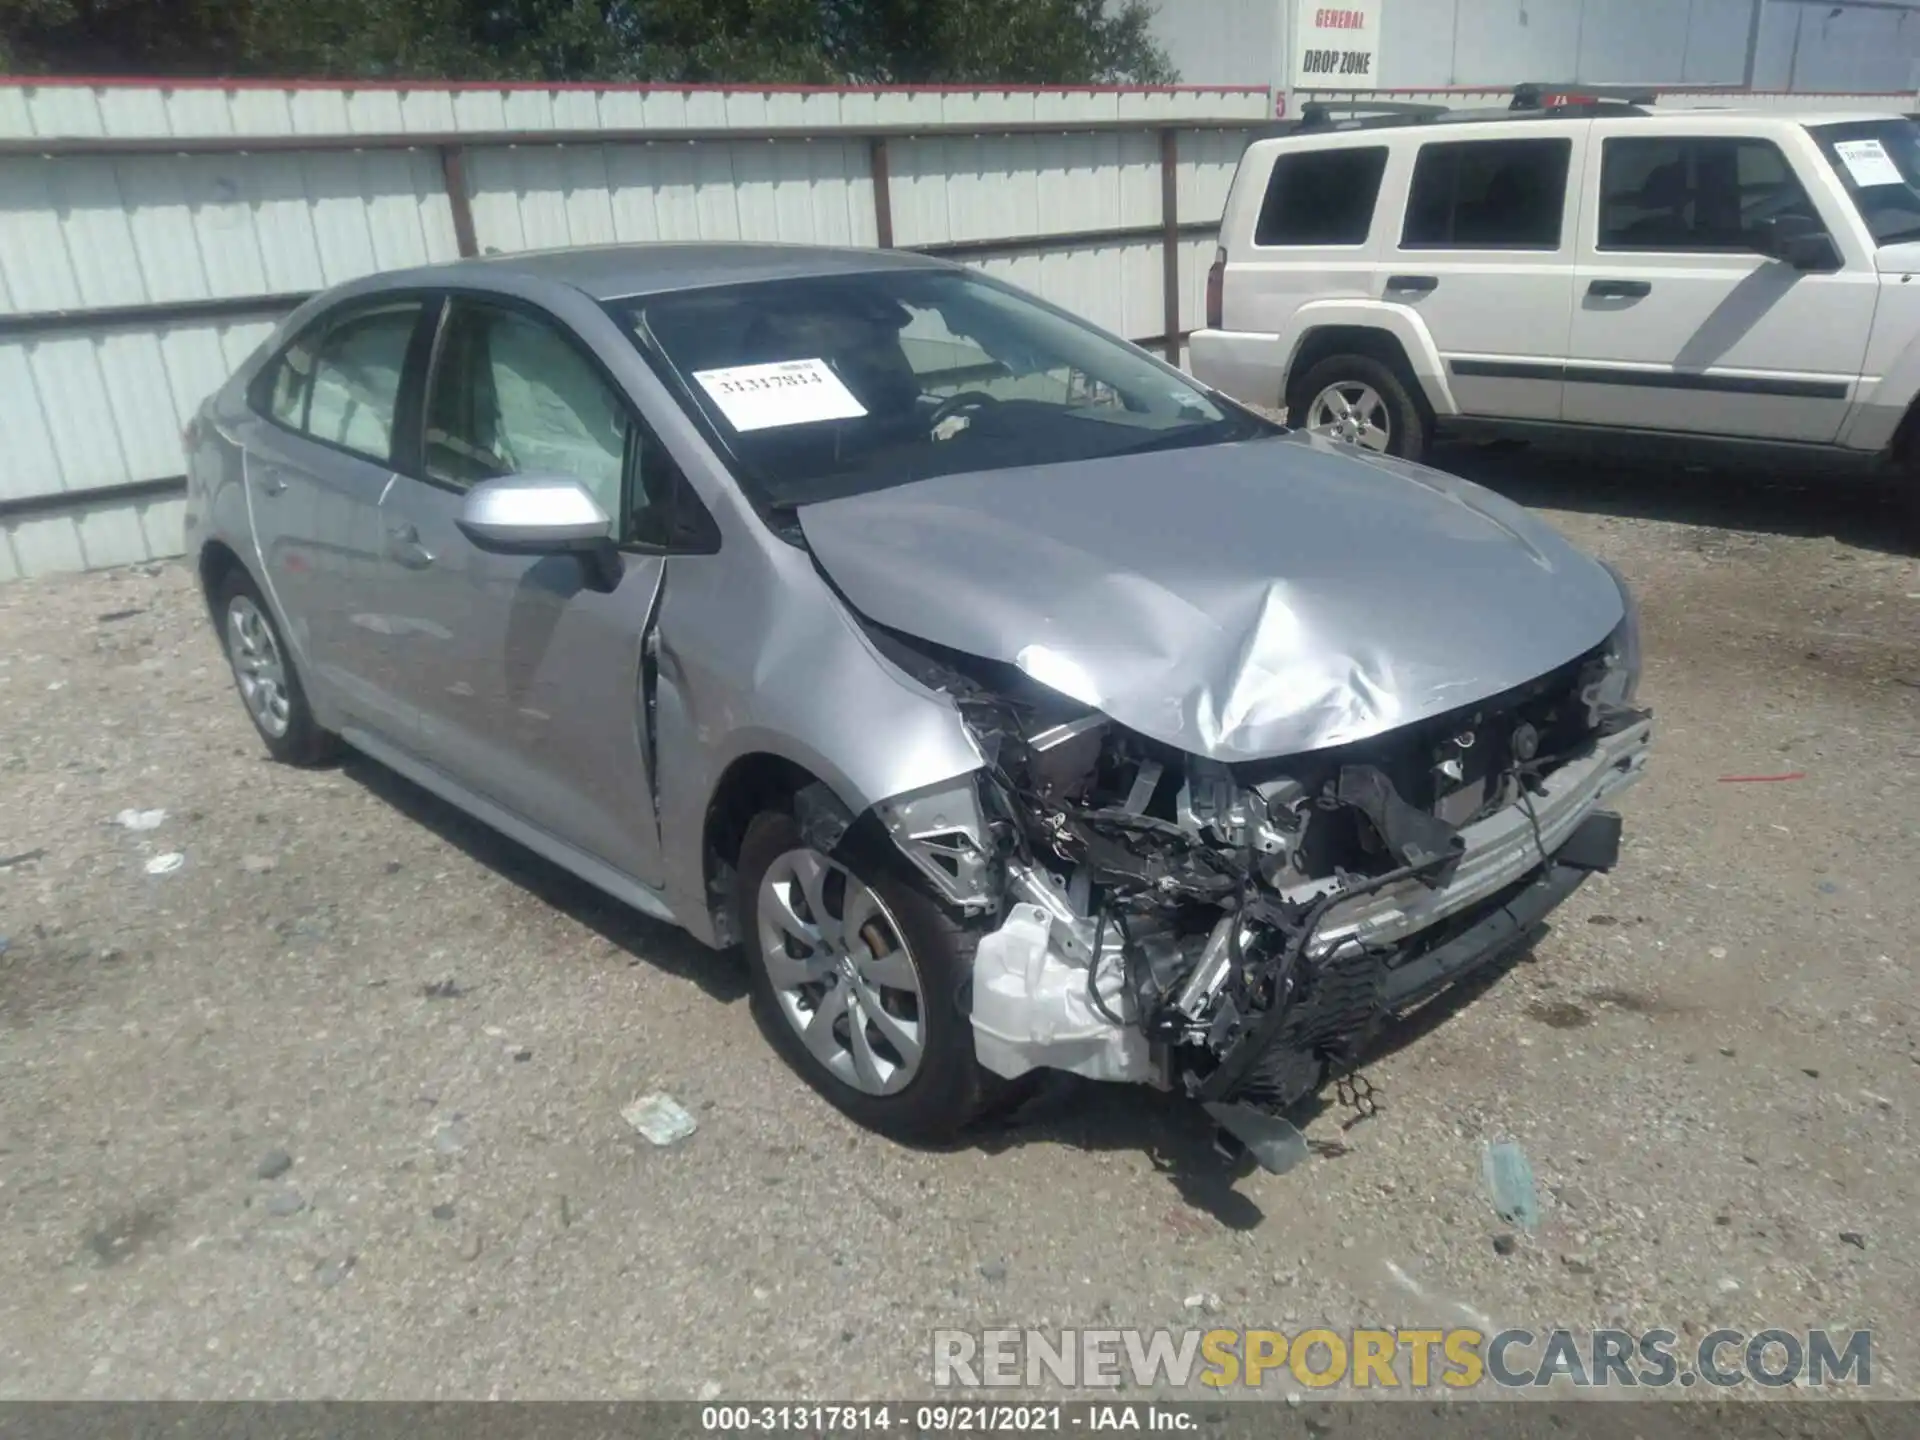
(1537, 95)
(1319, 114)
(1533, 100)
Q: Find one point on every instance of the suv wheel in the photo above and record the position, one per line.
(1362, 401)
(860, 981)
(263, 672)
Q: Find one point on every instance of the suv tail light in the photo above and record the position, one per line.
(1216, 284)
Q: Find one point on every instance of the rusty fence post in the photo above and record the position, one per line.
(882, 192)
(453, 170)
(1170, 243)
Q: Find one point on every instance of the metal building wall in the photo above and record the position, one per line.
(94, 385)
(1809, 46)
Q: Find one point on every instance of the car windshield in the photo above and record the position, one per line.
(1879, 163)
(823, 387)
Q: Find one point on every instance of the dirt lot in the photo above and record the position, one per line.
(1711, 1061)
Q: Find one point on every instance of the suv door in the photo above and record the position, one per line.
(1683, 324)
(1485, 258)
(534, 688)
(317, 462)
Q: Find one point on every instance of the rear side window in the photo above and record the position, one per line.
(1488, 195)
(339, 382)
(1321, 197)
(1695, 193)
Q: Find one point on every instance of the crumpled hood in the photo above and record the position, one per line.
(1234, 601)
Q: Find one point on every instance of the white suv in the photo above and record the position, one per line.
(1705, 276)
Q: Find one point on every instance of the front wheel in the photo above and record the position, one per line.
(860, 981)
(1361, 401)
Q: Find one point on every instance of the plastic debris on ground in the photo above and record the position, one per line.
(659, 1118)
(1510, 1185)
(166, 864)
(140, 819)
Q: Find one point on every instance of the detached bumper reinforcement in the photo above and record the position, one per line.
(1594, 845)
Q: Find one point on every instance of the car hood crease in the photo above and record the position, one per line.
(1236, 601)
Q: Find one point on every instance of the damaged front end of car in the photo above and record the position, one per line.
(1237, 930)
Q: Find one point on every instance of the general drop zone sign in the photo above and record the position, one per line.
(1336, 47)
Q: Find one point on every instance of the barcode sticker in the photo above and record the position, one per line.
(787, 392)
(1868, 162)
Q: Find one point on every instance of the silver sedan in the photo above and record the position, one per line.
(1016, 702)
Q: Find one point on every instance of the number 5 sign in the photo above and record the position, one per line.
(1336, 46)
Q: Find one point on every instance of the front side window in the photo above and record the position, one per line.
(837, 385)
(1706, 192)
(1488, 195)
(1321, 197)
(355, 389)
(1879, 163)
(511, 396)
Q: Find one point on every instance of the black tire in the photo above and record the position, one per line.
(302, 741)
(1409, 430)
(1906, 501)
(951, 1090)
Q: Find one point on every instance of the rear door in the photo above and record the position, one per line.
(1681, 323)
(1484, 252)
(1304, 230)
(318, 460)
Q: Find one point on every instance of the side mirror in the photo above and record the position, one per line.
(1799, 241)
(540, 515)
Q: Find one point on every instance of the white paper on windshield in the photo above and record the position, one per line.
(1868, 162)
(787, 392)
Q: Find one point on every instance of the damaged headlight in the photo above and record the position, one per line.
(1622, 681)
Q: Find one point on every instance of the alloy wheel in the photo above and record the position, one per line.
(1354, 412)
(841, 972)
(258, 667)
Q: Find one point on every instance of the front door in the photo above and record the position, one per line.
(530, 683)
(317, 464)
(1681, 323)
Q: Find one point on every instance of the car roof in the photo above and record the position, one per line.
(618, 272)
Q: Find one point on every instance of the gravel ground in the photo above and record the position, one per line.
(333, 1108)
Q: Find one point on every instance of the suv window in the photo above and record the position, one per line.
(339, 381)
(1321, 197)
(1694, 193)
(1488, 195)
(512, 395)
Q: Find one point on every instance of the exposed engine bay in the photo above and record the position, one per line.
(1239, 930)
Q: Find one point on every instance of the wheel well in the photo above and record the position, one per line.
(751, 784)
(1333, 340)
(1905, 448)
(217, 562)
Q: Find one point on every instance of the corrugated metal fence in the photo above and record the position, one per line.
(150, 236)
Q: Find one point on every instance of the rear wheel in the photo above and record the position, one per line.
(860, 981)
(264, 674)
(1361, 401)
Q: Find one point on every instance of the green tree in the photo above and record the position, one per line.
(886, 42)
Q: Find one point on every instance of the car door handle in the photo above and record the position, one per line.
(403, 545)
(1412, 284)
(272, 484)
(1619, 289)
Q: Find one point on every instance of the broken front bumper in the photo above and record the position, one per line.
(1499, 850)
(1032, 1009)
